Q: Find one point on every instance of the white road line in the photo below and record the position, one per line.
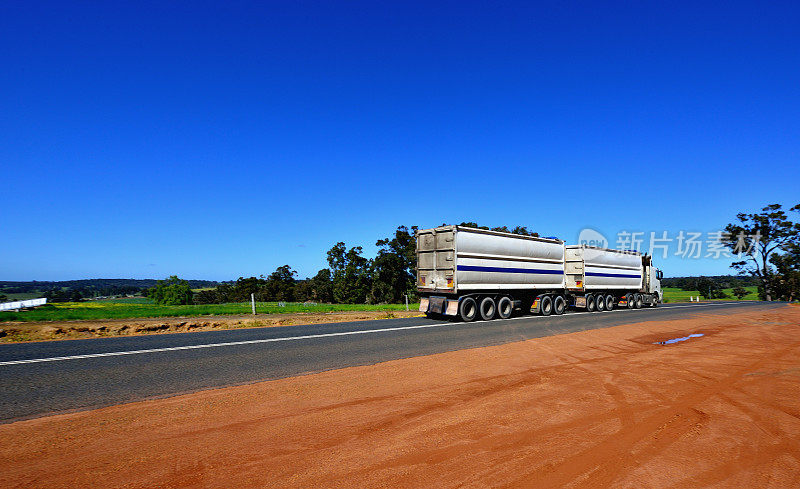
(306, 337)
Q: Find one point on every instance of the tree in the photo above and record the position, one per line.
(523, 231)
(757, 237)
(472, 225)
(280, 284)
(62, 295)
(394, 268)
(321, 287)
(207, 297)
(350, 274)
(224, 293)
(787, 266)
(709, 288)
(740, 292)
(241, 289)
(172, 291)
(503, 229)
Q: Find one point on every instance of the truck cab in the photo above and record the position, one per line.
(652, 278)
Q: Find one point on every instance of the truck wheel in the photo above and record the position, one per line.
(505, 308)
(600, 303)
(655, 300)
(488, 308)
(468, 309)
(559, 305)
(610, 302)
(637, 299)
(546, 305)
(590, 303)
(630, 301)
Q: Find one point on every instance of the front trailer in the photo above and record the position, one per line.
(474, 273)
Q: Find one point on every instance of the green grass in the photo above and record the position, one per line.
(674, 294)
(126, 300)
(144, 308)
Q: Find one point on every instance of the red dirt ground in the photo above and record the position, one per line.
(603, 408)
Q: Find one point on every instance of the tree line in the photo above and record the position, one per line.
(78, 290)
(350, 278)
(767, 243)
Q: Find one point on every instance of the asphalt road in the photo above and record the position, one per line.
(60, 376)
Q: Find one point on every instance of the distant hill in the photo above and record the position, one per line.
(95, 287)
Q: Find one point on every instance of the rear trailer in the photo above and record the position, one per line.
(474, 273)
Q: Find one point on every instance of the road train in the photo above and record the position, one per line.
(474, 273)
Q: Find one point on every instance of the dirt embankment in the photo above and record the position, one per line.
(602, 408)
(12, 332)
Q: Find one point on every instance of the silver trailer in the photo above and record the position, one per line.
(473, 273)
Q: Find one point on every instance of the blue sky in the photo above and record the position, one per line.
(218, 140)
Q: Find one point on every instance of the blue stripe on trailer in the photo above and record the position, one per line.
(473, 268)
(622, 275)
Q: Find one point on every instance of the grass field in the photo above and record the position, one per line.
(138, 307)
(145, 308)
(674, 294)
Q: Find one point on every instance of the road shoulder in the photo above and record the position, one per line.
(603, 407)
(20, 332)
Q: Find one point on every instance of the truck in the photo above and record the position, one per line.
(471, 273)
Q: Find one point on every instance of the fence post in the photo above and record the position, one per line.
(406, 296)
(253, 302)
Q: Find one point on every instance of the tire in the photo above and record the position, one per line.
(546, 306)
(468, 309)
(600, 303)
(656, 302)
(610, 303)
(590, 303)
(629, 300)
(559, 305)
(488, 309)
(505, 308)
(637, 299)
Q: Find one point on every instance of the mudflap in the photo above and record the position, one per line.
(535, 305)
(436, 305)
